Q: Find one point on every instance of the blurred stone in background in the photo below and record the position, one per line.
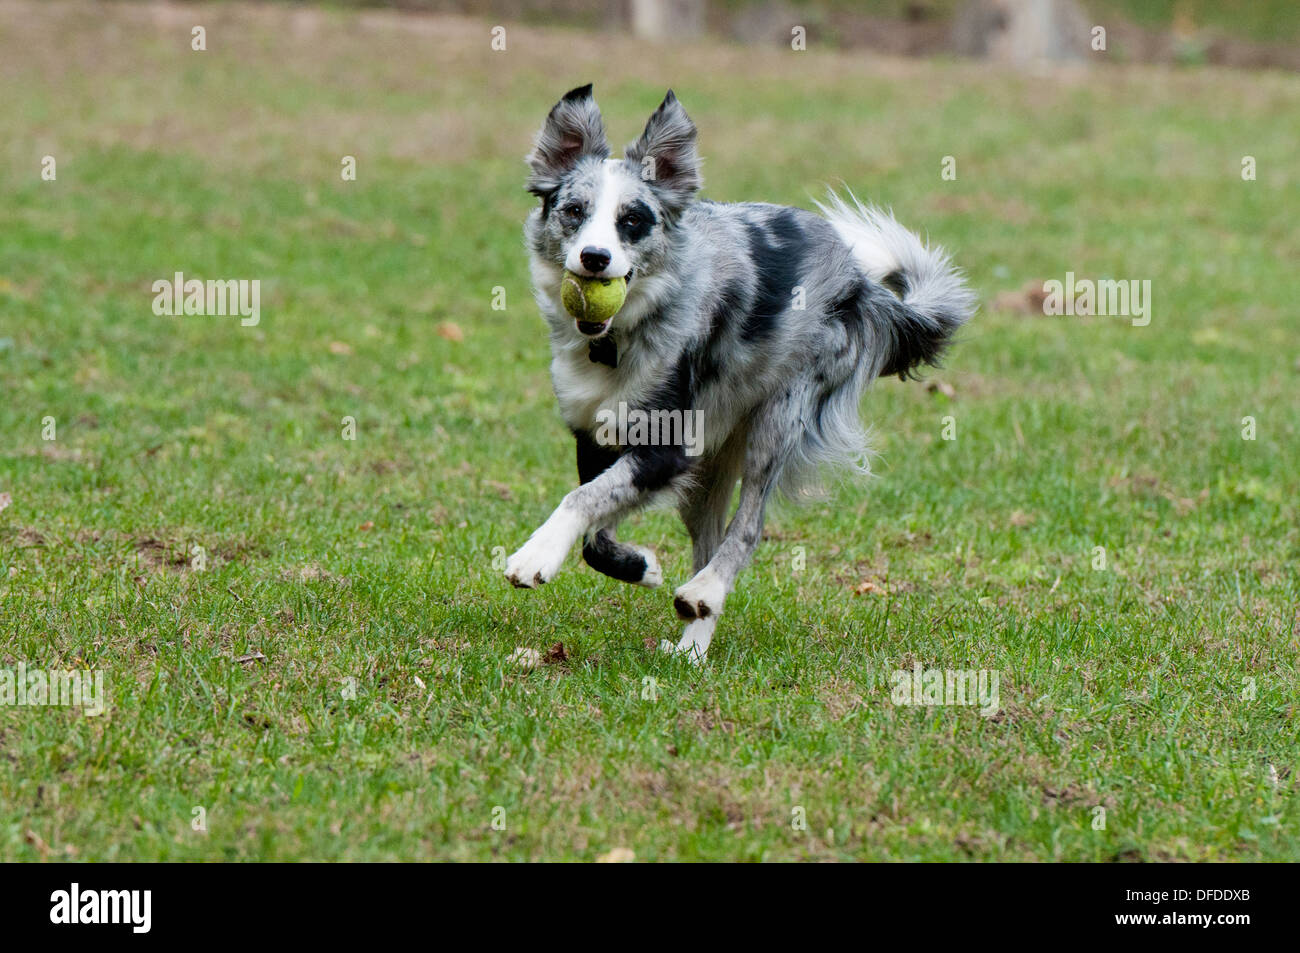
(667, 19)
(1021, 32)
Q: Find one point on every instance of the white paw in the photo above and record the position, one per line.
(654, 576)
(536, 562)
(539, 559)
(702, 597)
(695, 641)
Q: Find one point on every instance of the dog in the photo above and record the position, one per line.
(764, 323)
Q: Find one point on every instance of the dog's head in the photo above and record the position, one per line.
(606, 217)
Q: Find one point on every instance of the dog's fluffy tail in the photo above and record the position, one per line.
(933, 296)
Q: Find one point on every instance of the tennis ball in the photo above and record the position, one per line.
(594, 300)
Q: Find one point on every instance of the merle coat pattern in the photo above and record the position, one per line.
(769, 321)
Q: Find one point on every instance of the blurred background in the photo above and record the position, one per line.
(1246, 33)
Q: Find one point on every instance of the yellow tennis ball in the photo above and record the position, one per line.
(594, 300)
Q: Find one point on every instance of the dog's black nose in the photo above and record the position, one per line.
(594, 259)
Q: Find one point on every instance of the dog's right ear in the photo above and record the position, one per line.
(573, 130)
(667, 156)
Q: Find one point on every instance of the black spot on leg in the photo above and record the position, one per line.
(605, 554)
(687, 611)
(593, 458)
(653, 468)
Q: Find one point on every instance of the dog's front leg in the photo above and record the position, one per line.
(626, 485)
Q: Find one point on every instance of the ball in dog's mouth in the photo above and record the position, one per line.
(593, 301)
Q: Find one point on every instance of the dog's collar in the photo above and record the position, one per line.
(603, 351)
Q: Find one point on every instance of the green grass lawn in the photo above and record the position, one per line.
(335, 683)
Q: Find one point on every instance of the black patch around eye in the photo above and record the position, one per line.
(548, 203)
(632, 232)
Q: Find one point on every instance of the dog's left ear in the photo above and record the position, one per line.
(573, 130)
(667, 156)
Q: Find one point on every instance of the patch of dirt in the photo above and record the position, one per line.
(1074, 795)
(1020, 518)
(159, 556)
(23, 537)
(909, 540)
(838, 698)
(706, 720)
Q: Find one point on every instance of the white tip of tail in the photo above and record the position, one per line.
(883, 248)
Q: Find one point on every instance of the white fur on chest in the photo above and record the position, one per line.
(585, 388)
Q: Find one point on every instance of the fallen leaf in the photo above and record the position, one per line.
(870, 586)
(38, 842)
(501, 489)
(367, 526)
(556, 654)
(339, 347)
(253, 656)
(5, 500)
(941, 387)
(1028, 300)
(451, 331)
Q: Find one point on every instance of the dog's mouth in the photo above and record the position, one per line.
(598, 329)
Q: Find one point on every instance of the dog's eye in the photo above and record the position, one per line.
(572, 212)
(631, 220)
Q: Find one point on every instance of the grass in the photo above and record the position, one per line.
(383, 719)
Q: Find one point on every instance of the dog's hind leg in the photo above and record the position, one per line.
(772, 437)
(704, 511)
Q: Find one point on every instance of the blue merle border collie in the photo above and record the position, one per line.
(766, 321)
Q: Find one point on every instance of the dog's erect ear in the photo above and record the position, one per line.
(666, 154)
(573, 130)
